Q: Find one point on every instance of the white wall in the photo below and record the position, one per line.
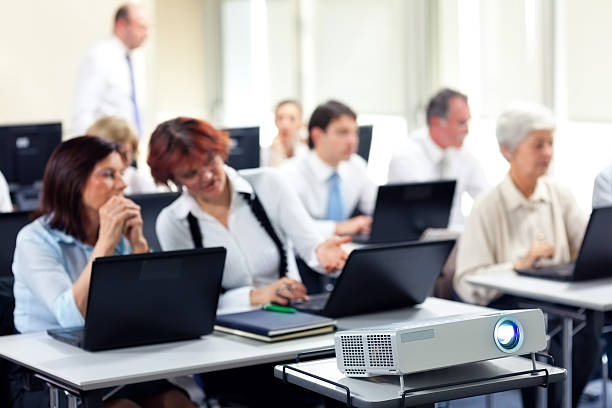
(43, 42)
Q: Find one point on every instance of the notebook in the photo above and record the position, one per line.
(404, 211)
(594, 259)
(382, 277)
(273, 326)
(149, 298)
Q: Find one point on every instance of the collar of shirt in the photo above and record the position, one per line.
(323, 171)
(515, 199)
(237, 185)
(432, 150)
(120, 45)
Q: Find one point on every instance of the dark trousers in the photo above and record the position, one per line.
(585, 354)
(256, 387)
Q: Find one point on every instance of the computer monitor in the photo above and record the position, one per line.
(25, 149)
(244, 148)
(365, 141)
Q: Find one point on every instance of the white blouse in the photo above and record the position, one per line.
(252, 257)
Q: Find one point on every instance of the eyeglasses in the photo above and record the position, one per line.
(205, 169)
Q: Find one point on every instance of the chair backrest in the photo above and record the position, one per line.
(7, 304)
(150, 207)
(10, 225)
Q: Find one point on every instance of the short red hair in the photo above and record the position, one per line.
(183, 140)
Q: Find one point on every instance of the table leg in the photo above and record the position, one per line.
(604, 380)
(73, 400)
(53, 397)
(489, 401)
(568, 329)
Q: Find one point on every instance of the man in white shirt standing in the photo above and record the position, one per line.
(331, 180)
(437, 153)
(106, 84)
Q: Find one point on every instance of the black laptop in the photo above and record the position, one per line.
(382, 277)
(149, 298)
(594, 260)
(404, 211)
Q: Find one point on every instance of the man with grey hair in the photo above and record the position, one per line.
(107, 82)
(525, 221)
(437, 153)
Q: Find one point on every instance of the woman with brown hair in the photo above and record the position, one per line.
(83, 215)
(254, 214)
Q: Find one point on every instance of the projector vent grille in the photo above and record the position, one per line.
(353, 371)
(352, 351)
(380, 350)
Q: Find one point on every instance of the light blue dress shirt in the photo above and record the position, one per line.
(47, 262)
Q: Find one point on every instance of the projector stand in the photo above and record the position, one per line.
(534, 371)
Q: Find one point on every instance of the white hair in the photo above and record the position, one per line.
(519, 120)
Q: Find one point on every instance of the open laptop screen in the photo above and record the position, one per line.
(152, 298)
(404, 211)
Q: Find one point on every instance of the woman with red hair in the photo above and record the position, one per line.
(253, 213)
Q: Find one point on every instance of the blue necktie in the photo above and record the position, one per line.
(133, 96)
(335, 208)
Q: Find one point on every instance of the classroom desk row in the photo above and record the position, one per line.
(89, 375)
(550, 295)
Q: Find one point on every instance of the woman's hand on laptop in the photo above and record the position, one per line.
(536, 252)
(360, 224)
(331, 255)
(283, 291)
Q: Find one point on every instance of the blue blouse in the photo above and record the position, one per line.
(46, 264)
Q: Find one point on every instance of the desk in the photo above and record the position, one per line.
(88, 373)
(593, 295)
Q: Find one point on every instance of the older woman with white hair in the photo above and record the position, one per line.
(525, 221)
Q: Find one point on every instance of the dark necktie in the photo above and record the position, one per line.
(133, 96)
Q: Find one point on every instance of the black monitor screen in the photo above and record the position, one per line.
(244, 148)
(25, 149)
(365, 141)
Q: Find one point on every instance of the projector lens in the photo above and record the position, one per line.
(508, 335)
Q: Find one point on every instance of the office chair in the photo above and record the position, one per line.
(150, 207)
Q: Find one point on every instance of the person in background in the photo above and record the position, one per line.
(525, 221)
(437, 153)
(5, 196)
(83, 215)
(602, 190)
(119, 131)
(287, 143)
(107, 82)
(254, 214)
(331, 179)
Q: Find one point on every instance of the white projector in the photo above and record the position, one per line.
(410, 347)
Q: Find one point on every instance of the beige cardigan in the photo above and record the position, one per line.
(504, 224)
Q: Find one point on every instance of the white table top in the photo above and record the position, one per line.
(593, 294)
(93, 370)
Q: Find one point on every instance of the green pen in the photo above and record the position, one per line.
(277, 308)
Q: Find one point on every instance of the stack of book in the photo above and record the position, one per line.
(271, 325)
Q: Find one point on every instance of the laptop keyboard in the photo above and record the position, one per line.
(70, 335)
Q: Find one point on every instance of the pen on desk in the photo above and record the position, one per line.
(277, 308)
